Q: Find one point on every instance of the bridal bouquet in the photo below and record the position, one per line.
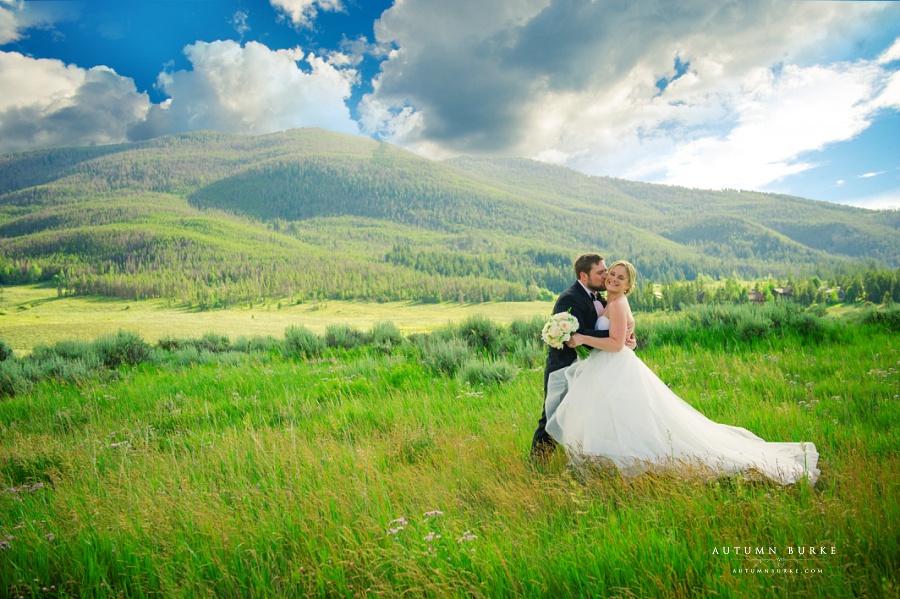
(559, 329)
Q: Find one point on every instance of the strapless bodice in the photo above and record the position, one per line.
(602, 324)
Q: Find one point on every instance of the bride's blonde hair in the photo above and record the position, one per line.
(632, 273)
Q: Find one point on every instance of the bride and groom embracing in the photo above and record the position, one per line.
(611, 407)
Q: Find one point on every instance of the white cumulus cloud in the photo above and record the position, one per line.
(232, 88)
(704, 94)
(777, 118)
(239, 22)
(54, 104)
(892, 54)
(9, 28)
(17, 16)
(251, 89)
(303, 12)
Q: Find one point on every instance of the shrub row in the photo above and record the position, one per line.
(889, 318)
(71, 361)
(477, 350)
(476, 344)
(730, 326)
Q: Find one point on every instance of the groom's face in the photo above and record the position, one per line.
(596, 278)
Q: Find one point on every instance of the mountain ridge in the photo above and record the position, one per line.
(109, 218)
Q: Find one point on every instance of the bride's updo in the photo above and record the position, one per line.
(632, 273)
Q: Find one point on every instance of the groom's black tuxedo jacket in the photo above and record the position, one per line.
(579, 304)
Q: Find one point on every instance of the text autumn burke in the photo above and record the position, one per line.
(789, 550)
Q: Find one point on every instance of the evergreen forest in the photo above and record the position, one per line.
(215, 220)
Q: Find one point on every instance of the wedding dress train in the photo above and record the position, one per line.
(612, 406)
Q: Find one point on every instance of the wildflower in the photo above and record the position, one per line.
(467, 536)
(50, 538)
(431, 537)
(433, 513)
(4, 545)
(400, 523)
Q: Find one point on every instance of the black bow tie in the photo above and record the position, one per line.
(596, 296)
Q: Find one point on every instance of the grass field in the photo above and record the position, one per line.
(32, 314)
(363, 473)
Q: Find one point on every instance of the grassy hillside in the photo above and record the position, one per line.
(213, 219)
(840, 230)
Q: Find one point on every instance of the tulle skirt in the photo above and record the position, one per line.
(611, 407)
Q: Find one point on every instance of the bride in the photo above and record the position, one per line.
(611, 407)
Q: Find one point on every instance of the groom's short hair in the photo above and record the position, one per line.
(585, 262)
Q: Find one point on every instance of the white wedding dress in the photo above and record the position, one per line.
(611, 406)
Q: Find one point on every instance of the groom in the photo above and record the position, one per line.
(583, 301)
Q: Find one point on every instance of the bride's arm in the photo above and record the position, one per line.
(617, 312)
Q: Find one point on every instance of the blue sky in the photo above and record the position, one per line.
(798, 97)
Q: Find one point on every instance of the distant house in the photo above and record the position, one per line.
(838, 291)
(757, 297)
(783, 292)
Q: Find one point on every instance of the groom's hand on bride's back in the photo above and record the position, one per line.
(631, 342)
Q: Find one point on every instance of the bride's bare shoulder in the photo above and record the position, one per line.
(620, 305)
(620, 302)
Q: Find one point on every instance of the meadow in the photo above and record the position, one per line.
(33, 314)
(361, 461)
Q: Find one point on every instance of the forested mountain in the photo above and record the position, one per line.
(214, 219)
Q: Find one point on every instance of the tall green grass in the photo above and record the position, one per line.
(739, 326)
(363, 472)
